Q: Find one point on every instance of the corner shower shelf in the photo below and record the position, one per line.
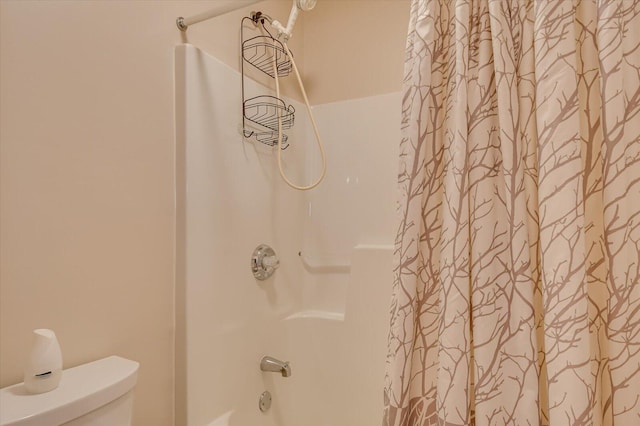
(260, 114)
(267, 138)
(264, 110)
(259, 51)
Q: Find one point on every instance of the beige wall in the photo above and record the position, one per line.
(354, 48)
(87, 182)
(87, 164)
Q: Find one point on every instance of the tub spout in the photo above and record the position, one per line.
(271, 364)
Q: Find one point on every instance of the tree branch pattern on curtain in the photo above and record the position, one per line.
(516, 296)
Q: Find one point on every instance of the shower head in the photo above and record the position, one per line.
(306, 5)
(298, 5)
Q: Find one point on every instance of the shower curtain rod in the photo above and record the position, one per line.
(183, 23)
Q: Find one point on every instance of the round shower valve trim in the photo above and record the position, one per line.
(264, 262)
(265, 401)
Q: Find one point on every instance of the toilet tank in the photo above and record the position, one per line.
(97, 393)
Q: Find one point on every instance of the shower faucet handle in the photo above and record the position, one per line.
(264, 262)
(270, 262)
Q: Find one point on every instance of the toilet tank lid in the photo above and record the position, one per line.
(82, 389)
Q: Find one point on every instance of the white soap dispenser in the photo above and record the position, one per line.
(43, 370)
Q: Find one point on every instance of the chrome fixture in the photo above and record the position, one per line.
(265, 401)
(298, 5)
(264, 262)
(306, 5)
(183, 23)
(273, 365)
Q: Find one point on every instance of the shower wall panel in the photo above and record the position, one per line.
(230, 199)
(327, 315)
(341, 332)
(355, 205)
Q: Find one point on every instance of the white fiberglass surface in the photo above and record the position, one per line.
(329, 323)
(355, 205)
(230, 200)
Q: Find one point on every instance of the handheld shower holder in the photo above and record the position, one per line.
(298, 5)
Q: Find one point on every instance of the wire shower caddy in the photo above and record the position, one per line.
(261, 112)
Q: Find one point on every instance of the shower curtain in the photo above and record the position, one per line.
(517, 258)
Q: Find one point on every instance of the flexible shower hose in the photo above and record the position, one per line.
(313, 123)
